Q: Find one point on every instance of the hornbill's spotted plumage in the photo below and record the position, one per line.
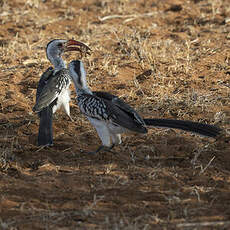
(111, 116)
(53, 87)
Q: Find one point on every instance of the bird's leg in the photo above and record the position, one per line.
(71, 119)
(101, 148)
(104, 134)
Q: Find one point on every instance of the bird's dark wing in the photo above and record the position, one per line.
(104, 95)
(50, 91)
(108, 110)
(43, 81)
(124, 118)
(126, 108)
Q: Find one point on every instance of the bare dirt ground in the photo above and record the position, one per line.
(168, 59)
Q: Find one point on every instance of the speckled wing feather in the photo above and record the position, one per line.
(92, 106)
(121, 104)
(104, 109)
(50, 91)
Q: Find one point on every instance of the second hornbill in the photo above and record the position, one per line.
(53, 87)
(111, 116)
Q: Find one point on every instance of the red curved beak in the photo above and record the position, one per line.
(73, 45)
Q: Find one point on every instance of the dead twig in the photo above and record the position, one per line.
(204, 224)
(129, 17)
(209, 163)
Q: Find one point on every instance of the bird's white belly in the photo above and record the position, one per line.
(63, 101)
(107, 131)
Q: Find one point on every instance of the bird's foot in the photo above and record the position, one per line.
(103, 148)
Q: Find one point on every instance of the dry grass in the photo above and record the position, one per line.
(166, 61)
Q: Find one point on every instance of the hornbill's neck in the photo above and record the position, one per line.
(56, 59)
(78, 75)
(58, 63)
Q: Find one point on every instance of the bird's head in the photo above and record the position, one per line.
(57, 47)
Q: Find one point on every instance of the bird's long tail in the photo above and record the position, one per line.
(45, 133)
(195, 127)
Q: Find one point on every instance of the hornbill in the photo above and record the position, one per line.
(111, 116)
(53, 87)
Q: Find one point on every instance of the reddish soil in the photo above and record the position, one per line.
(168, 59)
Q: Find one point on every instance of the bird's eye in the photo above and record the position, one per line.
(60, 45)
